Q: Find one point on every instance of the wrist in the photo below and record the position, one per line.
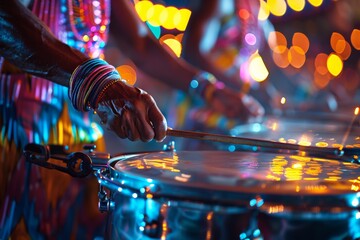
(89, 81)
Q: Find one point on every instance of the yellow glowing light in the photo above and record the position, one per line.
(277, 7)
(257, 68)
(154, 13)
(356, 112)
(355, 39)
(296, 5)
(296, 57)
(304, 142)
(167, 17)
(334, 64)
(301, 40)
(276, 209)
(321, 144)
(337, 145)
(315, 3)
(142, 8)
(292, 141)
(86, 38)
(274, 126)
(181, 19)
(103, 28)
(264, 11)
(297, 166)
(283, 100)
(127, 73)
(355, 188)
(174, 45)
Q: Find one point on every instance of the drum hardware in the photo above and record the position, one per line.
(223, 195)
(344, 154)
(170, 146)
(76, 164)
(152, 224)
(105, 204)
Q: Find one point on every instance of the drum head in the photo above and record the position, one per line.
(317, 130)
(229, 177)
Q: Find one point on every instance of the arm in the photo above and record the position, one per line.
(28, 44)
(23, 40)
(200, 36)
(134, 39)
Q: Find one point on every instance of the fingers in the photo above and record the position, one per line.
(137, 120)
(158, 122)
(151, 120)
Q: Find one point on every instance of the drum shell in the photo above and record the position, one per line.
(157, 209)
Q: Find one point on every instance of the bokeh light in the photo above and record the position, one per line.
(301, 40)
(355, 39)
(281, 59)
(277, 42)
(334, 64)
(296, 56)
(181, 19)
(174, 45)
(154, 13)
(264, 11)
(337, 42)
(166, 17)
(277, 7)
(296, 5)
(315, 3)
(127, 73)
(244, 14)
(142, 8)
(320, 63)
(257, 68)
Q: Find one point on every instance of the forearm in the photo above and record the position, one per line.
(204, 24)
(28, 44)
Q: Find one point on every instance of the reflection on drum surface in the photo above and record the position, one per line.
(232, 195)
(320, 132)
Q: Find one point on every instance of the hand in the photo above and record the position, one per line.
(131, 113)
(235, 105)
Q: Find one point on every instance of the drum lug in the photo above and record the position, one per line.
(169, 147)
(105, 204)
(153, 227)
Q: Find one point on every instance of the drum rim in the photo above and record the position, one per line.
(165, 190)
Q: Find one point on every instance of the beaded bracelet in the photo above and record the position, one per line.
(203, 85)
(89, 81)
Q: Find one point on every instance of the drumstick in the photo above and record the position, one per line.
(334, 152)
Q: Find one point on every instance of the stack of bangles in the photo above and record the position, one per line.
(204, 85)
(89, 81)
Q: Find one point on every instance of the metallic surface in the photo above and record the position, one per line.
(230, 195)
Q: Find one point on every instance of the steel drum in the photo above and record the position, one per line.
(229, 195)
(322, 130)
